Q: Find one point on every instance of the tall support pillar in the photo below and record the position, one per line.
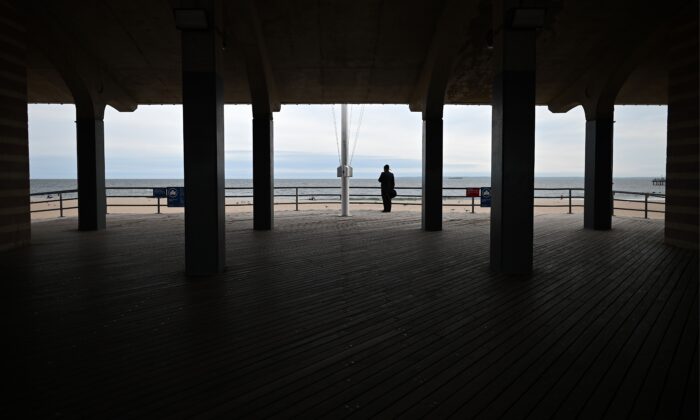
(203, 135)
(597, 204)
(431, 219)
(15, 219)
(263, 172)
(429, 98)
(513, 143)
(92, 200)
(682, 217)
(91, 91)
(264, 101)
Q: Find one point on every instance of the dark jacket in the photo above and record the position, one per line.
(387, 180)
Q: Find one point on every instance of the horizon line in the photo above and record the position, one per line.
(416, 176)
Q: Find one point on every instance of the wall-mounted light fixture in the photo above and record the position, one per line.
(528, 18)
(191, 19)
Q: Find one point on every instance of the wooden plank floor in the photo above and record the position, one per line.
(361, 317)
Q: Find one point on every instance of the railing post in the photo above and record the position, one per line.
(60, 204)
(158, 204)
(472, 205)
(646, 205)
(296, 198)
(612, 204)
(569, 200)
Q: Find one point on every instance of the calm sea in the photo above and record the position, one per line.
(319, 187)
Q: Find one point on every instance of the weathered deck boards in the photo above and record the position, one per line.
(359, 317)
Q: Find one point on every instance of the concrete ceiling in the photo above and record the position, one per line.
(369, 51)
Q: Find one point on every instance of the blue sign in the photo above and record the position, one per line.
(176, 196)
(485, 196)
(159, 193)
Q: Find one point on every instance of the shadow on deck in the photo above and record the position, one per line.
(365, 316)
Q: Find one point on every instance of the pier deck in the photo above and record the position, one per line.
(364, 316)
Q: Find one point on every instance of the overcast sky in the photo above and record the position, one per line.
(148, 142)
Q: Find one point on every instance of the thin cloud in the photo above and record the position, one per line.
(148, 142)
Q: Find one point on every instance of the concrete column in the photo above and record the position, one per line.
(597, 205)
(263, 172)
(431, 219)
(92, 200)
(203, 134)
(513, 146)
(15, 225)
(682, 224)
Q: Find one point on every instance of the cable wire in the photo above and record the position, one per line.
(357, 132)
(337, 141)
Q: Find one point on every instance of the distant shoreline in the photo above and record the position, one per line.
(650, 177)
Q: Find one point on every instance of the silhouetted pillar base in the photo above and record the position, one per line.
(431, 216)
(597, 205)
(263, 173)
(92, 201)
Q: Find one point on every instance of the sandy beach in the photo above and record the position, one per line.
(148, 205)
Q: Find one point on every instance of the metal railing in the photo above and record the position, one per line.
(301, 197)
(61, 208)
(646, 210)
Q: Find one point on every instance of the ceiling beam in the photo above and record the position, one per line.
(87, 77)
(609, 65)
(449, 37)
(249, 35)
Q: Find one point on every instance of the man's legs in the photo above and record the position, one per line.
(386, 201)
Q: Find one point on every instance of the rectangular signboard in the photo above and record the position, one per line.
(473, 192)
(176, 196)
(159, 193)
(485, 196)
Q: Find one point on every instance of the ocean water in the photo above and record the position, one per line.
(408, 187)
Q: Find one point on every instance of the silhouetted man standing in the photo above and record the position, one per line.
(387, 180)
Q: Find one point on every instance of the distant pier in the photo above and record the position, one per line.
(659, 181)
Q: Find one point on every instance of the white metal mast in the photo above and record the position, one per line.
(344, 170)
